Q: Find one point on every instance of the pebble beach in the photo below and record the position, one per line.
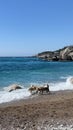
(52, 111)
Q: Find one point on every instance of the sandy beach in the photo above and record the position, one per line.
(42, 112)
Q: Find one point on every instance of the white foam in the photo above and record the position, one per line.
(67, 85)
(15, 95)
(6, 96)
(64, 77)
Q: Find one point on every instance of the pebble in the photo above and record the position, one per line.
(58, 127)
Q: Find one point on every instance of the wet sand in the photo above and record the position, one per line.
(42, 112)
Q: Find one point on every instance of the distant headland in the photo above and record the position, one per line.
(64, 54)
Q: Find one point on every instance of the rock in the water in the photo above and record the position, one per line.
(14, 87)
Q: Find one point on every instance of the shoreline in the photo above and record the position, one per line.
(33, 97)
(39, 112)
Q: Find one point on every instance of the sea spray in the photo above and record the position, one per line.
(23, 93)
(14, 95)
(66, 85)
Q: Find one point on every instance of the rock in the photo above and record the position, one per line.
(67, 53)
(64, 54)
(55, 58)
(71, 55)
(14, 87)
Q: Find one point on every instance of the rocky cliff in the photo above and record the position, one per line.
(64, 54)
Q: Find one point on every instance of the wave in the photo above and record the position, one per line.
(15, 95)
(64, 77)
(23, 93)
(66, 85)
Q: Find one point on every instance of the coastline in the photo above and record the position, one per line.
(38, 112)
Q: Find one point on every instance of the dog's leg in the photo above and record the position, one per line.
(42, 91)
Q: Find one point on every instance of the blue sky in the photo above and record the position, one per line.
(31, 26)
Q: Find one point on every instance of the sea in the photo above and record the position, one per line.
(27, 71)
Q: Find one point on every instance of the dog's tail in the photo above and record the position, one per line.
(48, 87)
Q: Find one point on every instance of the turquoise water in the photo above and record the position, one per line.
(32, 70)
(28, 71)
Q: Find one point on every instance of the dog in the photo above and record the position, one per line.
(43, 89)
(33, 88)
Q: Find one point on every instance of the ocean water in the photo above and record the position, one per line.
(26, 71)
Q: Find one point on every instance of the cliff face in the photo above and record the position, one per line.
(64, 54)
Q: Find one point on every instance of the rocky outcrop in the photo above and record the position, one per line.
(64, 54)
(14, 87)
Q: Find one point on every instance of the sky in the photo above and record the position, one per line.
(28, 27)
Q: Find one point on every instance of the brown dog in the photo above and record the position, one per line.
(43, 89)
(32, 88)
